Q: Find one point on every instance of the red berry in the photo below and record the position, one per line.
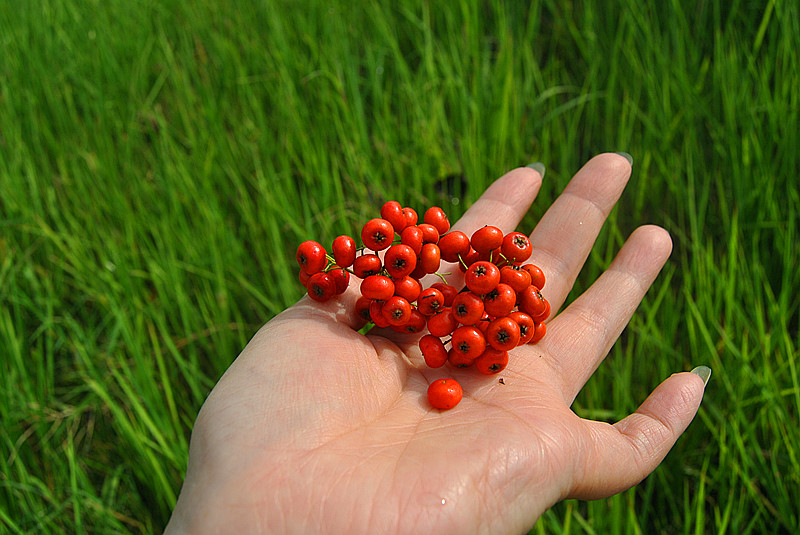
(399, 260)
(492, 361)
(377, 287)
(442, 323)
(467, 308)
(411, 216)
(537, 275)
(311, 257)
(366, 265)
(430, 258)
(361, 310)
(430, 301)
(503, 334)
(469, 341)
(377, 234)
(458, 359)
(487, 239)
(545, 313)
(531, 302)
(407, 287)
(344, 250)
(516, 247)
(341, 278)
(516, 277)
(435, 216)
(526, 326)
(538, 332)
(415, 324)
(445, 394)
(321, 287)
(396, 310)
(466, 261)
(448, 291)
(412, 236)
(454, 244)
(433, 351)
(482, 277)
(376, 314)
(429, 233)
(500, 301)
(392, 212)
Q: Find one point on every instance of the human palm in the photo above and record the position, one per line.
(317, 428)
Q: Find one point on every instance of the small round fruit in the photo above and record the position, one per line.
(311, 257)
(503, 334)
(377, 234)
(412, 236)
(407, 287)
(539, 331)
(321, 287)
(430, 258)
(396, 310)
(516, 277)
(341, 277)
(482, 277)
(377, 287)
(399, 260)
(366, 265)
(531, 302)
(467, 308)
(430, 301)
(445, 394)
(526, 326)
(500, 301)
(537, 275)
(392, 212)
(469, 341)
(443, 323)
(447, 290)
(487, 239)
(344, 250)
(516, 247)
(435, 216)
(454, 244)
(491, 361)
(433, 351)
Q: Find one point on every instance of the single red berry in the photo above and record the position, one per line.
(443, 323)
(411, 216)
(412, 236)
(344, 250)
(458, 359)
(321, 286)
(539, 331)
(435, 216)
(545, 313)
(492, 361)
(503, 334)
(415, 324)
(377, 287)
(430, 301)
(469, 341)
(516, 277)
(445, 394)
(433, 351)
(392, 211)
(466, 261)
(500, 301)
(396, 310)
(311, 257)
(447, 290)
(377, 234)
(484, 322)
(467, 308)
(482, 277)
(526, 326)
(430, 258)
(366, 265)
(341, 278)
(407, 287)
(537, 275)
(454, 244)
(376, 314)
(399, 260)
(531, 302)
(486, 239)
(429, 233)
(516, 247)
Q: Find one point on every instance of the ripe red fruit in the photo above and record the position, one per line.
(366, 265)
(399, 260)
(376, 314)
(492, 361)
(321, 287)
(429, 233)
(466, 261)
(430, 258)
(430, 301)
(445, 394)
(407, 287)
(503, 334)
(361, 311)
(415, 324)
(467, 308)
(545, 313)
(482, 277)
(311, 257)
(412, 236)
(447, 290)
(487, 239)
(435, 216)
(531, 301)
(516, 247)
(500, 301)
(411, 216)
(392, 212)
(377, 287)
(377, 234)
(537, 275)
(396, 310)
(344, 250)
(454, 244)
(516, 277)
(341, 278)
(526, 326)
(538, 333)
(469, 341)
(458, 359)
(442, 323)
(433, 351)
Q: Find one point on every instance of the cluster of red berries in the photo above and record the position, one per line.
(499, 308)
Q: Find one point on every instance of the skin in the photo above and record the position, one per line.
(316, 428)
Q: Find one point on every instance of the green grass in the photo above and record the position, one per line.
(158, 160)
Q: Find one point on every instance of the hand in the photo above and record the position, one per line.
(316, 428)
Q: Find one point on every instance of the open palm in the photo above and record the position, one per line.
(316, 428)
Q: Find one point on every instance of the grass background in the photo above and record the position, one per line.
(160, 160)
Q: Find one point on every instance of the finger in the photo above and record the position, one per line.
(503, 205)
(621, 455)
(581, 336)
(564, 237)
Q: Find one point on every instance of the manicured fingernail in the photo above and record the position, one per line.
(704, 372)
(538, 167)
(627, 157)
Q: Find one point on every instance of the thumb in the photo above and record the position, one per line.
(623, 454)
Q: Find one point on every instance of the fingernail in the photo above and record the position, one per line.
(704, 372)
(627, 157)
(538, 167)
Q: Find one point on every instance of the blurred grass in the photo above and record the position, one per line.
(159, 159)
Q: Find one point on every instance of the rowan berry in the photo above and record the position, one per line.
(526, 326)
(392, 211)
(445, 394)
(516, 277)
(429, 233)
(482, 277)
(503, 334)
(411, 216)
(443, 323)
(377, 234)
(376, 314)
(377, 287)
(430, 258)
(341, 279)
(471, 257)
(454, 244)
(467, 308)
(531, 302)
(500, 301)
(537, 275)
(366, 265)
(539, 331)
(433, 351)
(486, 239)
(469, 341)
(430, 301)
(399, 260)
(344, 251)
(415, 324)
(321, 286)
(396, 310)
(447, 290)
(361, 310)
(458, 359)
(491, 361)
(407, 287)
(516, 247)
(311, 257)
(412, 236)
(545, 313)
(435, 216)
